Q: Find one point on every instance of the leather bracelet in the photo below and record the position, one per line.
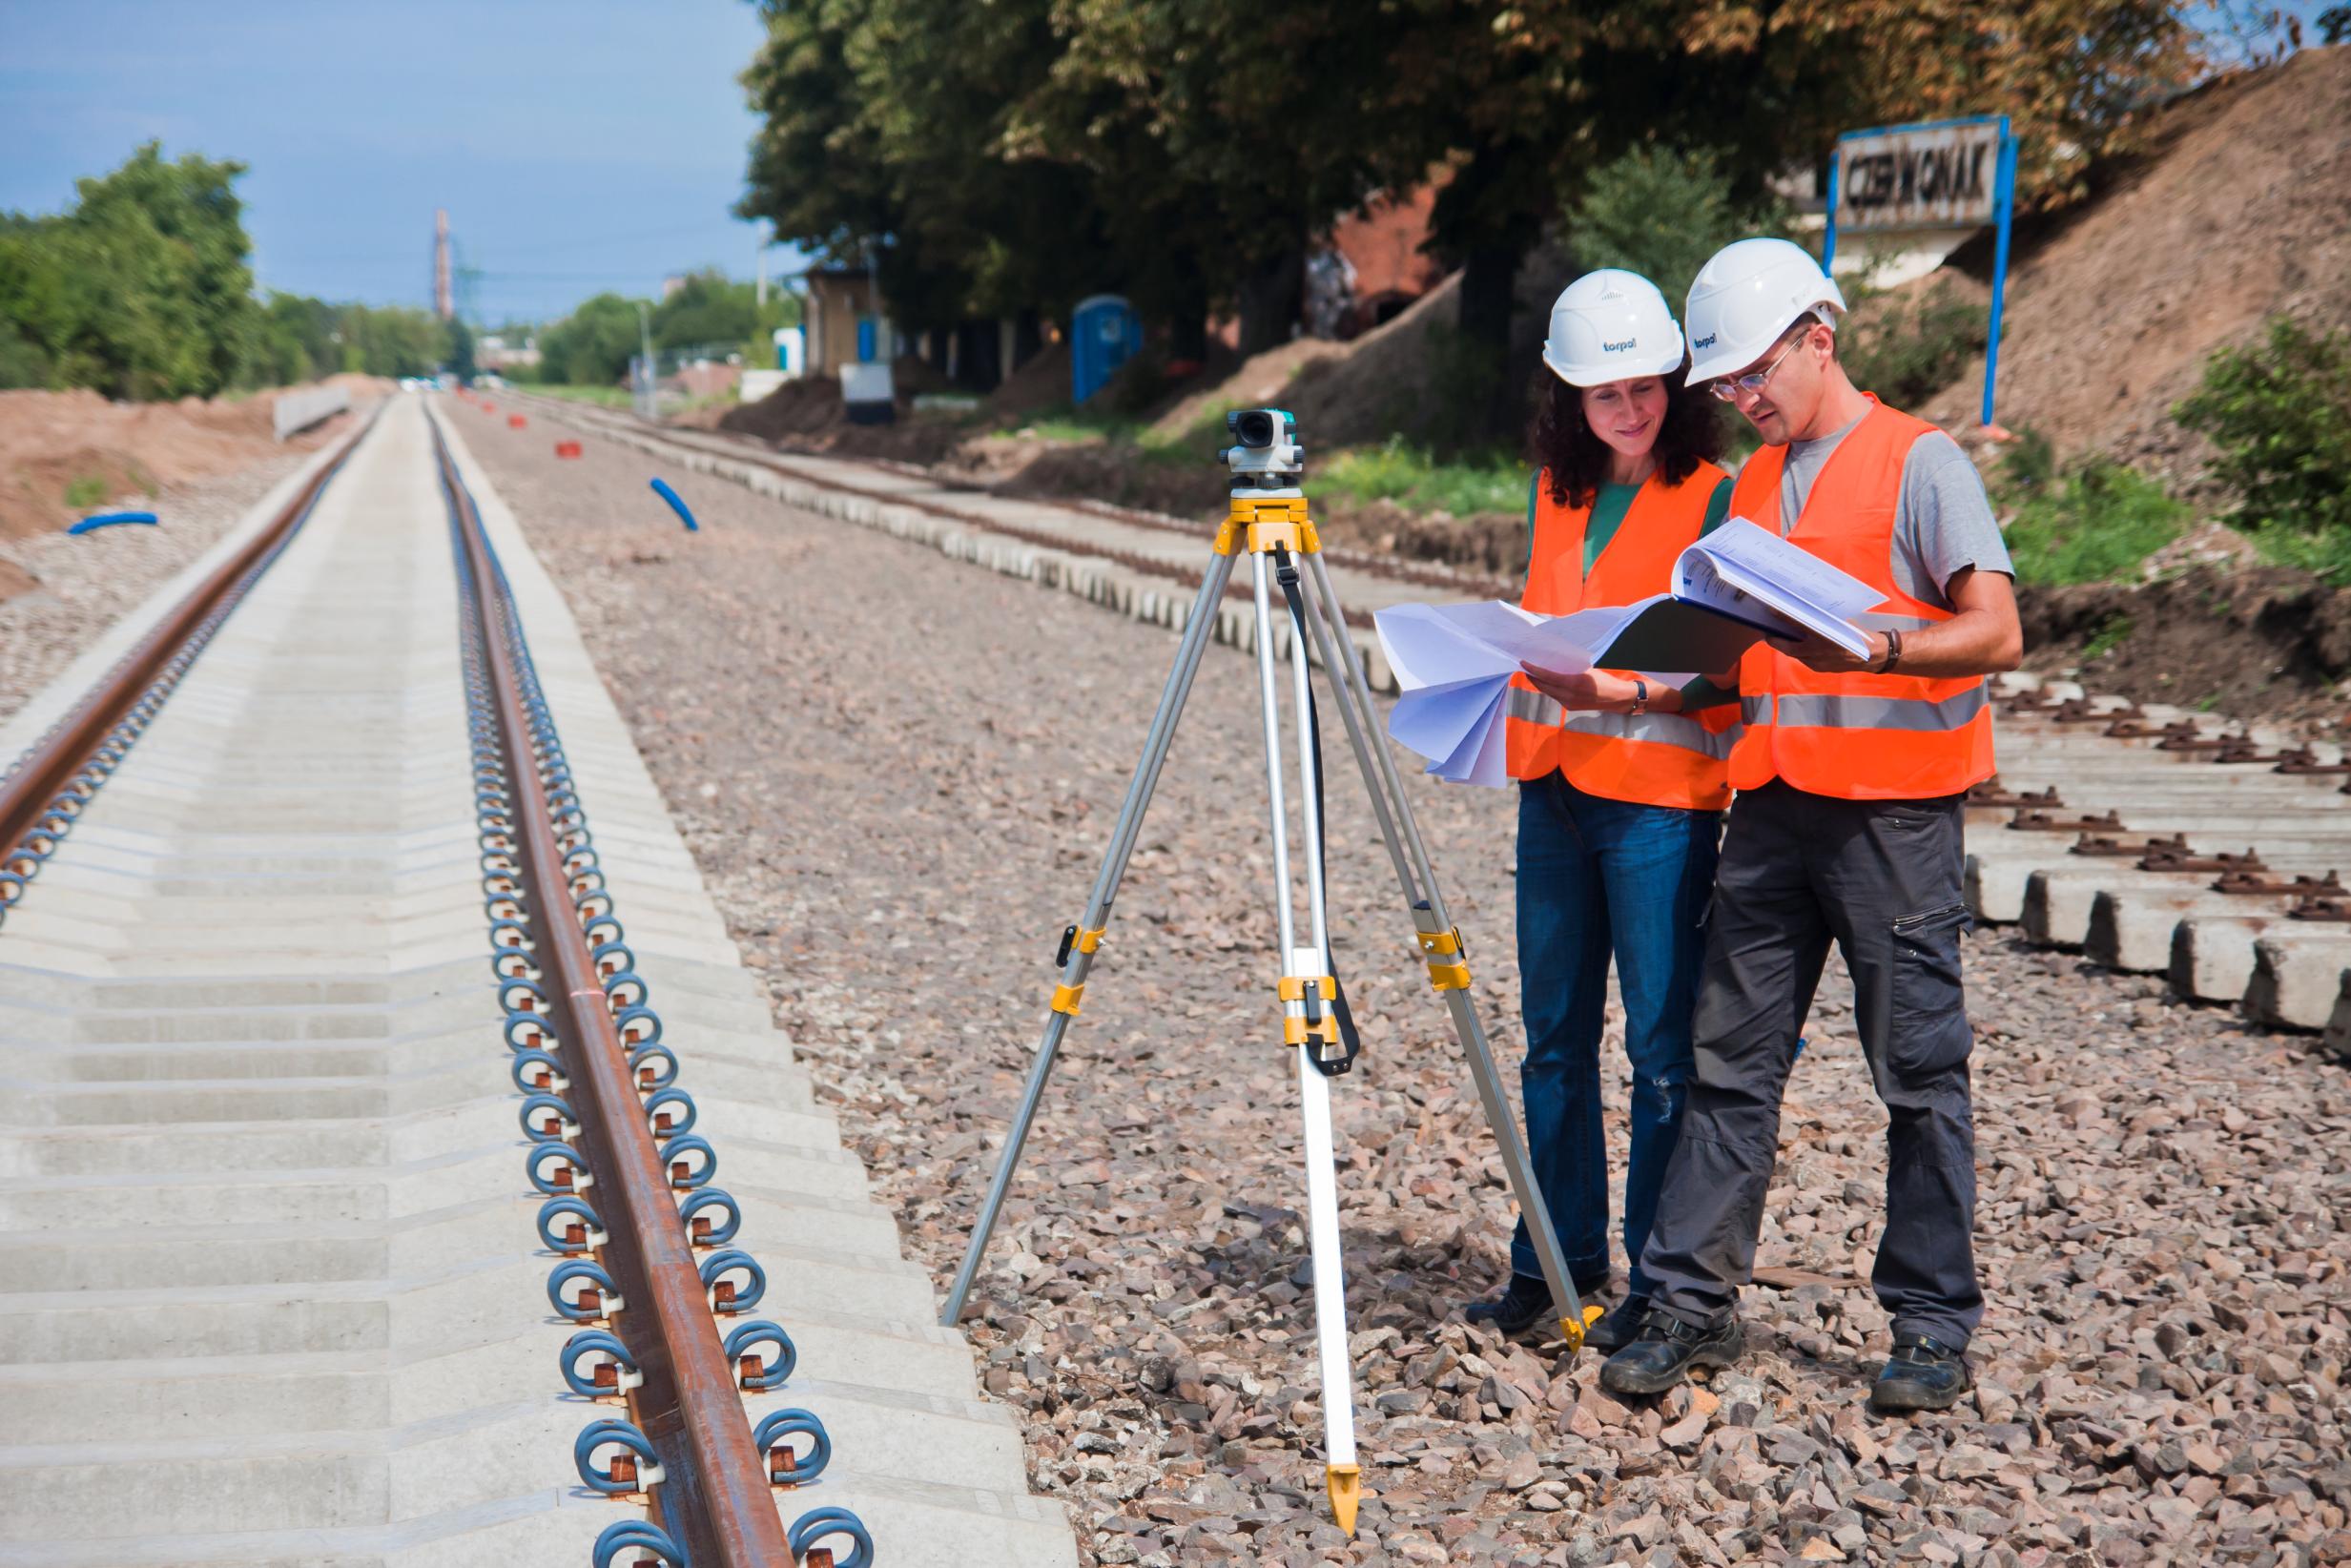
(1893, 651)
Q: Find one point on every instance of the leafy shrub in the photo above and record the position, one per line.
(2280, 413)
(84, 492)
(2099, 522)
(1661, 211)
(1913, 349)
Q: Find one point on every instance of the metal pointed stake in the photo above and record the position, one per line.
(1311, 1028)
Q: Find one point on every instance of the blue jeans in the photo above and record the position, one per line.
(1597, 876)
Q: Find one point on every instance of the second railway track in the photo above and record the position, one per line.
(276, 1286)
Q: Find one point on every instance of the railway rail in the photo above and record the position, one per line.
(2107, 831)
(307, 918)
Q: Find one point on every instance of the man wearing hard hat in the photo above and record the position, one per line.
(1846, 827)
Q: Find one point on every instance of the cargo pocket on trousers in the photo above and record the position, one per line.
(1929, 1014)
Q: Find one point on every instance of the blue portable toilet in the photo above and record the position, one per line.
(1104, 333)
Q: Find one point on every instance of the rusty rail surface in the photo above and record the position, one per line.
(51, 768)
(715, 1496)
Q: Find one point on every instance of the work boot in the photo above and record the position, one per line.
(1666, 1350)
(1921, 1374)
(1525, 1303)
(1617, 1327)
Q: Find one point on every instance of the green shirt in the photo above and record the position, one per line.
(1608, 510)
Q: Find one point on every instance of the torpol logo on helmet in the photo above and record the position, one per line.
(1598, 324)
(1745, 296)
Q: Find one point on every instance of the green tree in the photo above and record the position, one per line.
(706, 308)
(1662, 213)
(591, 347)
(460, 358)
(140, 291)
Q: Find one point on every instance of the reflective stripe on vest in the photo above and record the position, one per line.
(1854, 734)
(1533, 706)
(1654, 730)
(1657, 759)
(1846, 713)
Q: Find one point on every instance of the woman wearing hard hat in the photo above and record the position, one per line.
(1852, 776)
(1620, 782)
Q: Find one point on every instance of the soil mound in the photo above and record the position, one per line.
(1381, 385)
(796, 408)
(2241, 211)
(1262, 379)
(54, 444)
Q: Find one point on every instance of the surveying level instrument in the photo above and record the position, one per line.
(1267, 520)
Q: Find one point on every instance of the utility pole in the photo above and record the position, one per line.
(645, 363)
(445, 303)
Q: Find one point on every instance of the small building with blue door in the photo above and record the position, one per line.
(1104, 333)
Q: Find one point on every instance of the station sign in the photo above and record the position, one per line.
(1937, 175)
(1944, 176)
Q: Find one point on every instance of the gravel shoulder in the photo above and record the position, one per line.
(896, 774)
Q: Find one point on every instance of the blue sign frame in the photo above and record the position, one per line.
(2004, 207)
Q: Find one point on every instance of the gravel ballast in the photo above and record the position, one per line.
(897, 773)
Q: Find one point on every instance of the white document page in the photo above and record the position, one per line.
(1751, 575)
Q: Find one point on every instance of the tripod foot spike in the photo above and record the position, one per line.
(1571, 1330)
(1345, 1484)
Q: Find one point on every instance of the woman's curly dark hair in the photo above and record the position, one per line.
(1577, 458)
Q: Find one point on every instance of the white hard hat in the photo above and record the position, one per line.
(1745, 296)
(1609, 326)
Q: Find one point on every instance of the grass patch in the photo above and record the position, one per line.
(606, 397)
(1411, 477)
(2325, 555)
(2109, 637)
(84, 492)
(2098, 524)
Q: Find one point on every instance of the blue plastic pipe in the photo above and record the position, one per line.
(106, 520)
(661, 488)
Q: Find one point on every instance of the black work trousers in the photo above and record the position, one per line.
(1881, 879)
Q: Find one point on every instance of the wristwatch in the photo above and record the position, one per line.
(1893, 651)
(1641, 698)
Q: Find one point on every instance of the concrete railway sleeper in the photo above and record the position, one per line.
(647, 1276)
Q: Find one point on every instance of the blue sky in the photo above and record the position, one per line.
(577, 144)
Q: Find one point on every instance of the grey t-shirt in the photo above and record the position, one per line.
(1942, 526)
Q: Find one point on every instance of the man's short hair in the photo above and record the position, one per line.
(1818, 316)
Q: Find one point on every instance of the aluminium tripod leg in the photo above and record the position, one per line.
(1079, 942)
(1440, 940)
(1307, 1026)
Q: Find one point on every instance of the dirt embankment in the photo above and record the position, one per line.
(2265, 643)
(2239, 211)
(64, 454)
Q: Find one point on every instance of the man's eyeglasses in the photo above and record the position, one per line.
(1729, 387)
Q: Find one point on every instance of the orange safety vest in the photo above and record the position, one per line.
(1657, 759)
(1855, 737)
